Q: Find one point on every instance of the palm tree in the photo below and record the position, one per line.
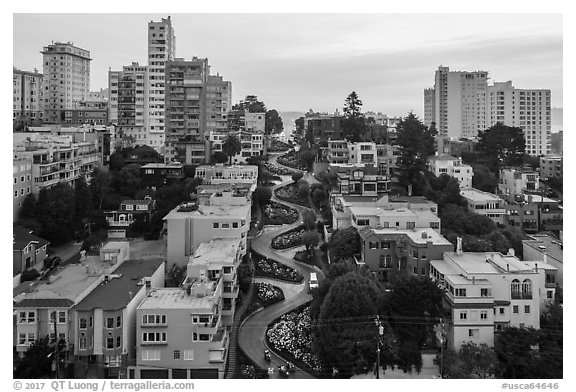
(231, 146)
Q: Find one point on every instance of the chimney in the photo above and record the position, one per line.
(511, 252)
(459, 246)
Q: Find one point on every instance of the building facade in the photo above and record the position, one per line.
(66, 79)
(218, 174)
(515, 182)
(28, 250)
(484, 203)
(22, 172)
(452, 166)
(551, 166)
(88, 112)
(28, 98)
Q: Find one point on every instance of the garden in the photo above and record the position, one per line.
(291, 335)
(268, 268)
(267, 294)
(289, 239)
(279, 171)
(279, 214)
(294, 193)
(291, 159)
(277, 145)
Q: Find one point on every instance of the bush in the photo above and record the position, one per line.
(288, 239)
(272, 269)
(279, 214)
(29, 274)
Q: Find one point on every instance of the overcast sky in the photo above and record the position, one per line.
(294, 62)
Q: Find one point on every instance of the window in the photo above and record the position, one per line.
(373, 245)
(483, 315)
(515, 288)
(550, 294)
(118, 321)
(527, 309)
(363, 222)
(83, 324)
(176, 354)
(515, 309)
(527, 289)
(27, 318)
(90, 322)
(109, 343)
(154, 319)
(463, 315)
(473, 333)
(150, 355)
(501, 310)
(154, 337)
(129, 207)
(204, 337)
(188, 355)
(385, 245)
(26, 339)
(234, 225)
(109, 322)
(485, 293)
(215, 225)
(460, 292)
(82, 343)
(118, 341)
(225, 225)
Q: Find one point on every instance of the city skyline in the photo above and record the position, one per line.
(380, 56)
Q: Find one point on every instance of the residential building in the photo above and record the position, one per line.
(28, 250)
(324, 126)
(130, 211)
(459, 102)
(546, 248)
(452, 166)
(66, 79)
(429, 106)
(484, 203)
(362, 153)
(22, 172)
(93, 113)
(142, 155)
(98, 135)
(157, 175)
(252, 144)
(181, 332)
(105, 319)
(128, 105)
(56, 158)
(48, 302)
(486, 292)
(343, 205)
(551, 166)
(515, 182)
(28, 103)
(354, 180)
(399, 218)
(393, 249)
(190, 224)
(534, 213)
(255, 122)
(161, 50)
(218, 174)
(338, 152)
(522, 216)
(387, 158)
(528, 109)
(229, 194)
(98, 96)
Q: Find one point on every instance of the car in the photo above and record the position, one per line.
(55, 261)
(313, 281)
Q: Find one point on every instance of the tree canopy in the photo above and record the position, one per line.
(344, 244)
(231, 146)
(274, 123)
(502, 145)
(354, 124)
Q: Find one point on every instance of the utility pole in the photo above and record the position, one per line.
(55, 344)
(379, 337)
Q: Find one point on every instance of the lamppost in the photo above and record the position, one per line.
(378, 338)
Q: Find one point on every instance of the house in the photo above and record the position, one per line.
(453, 167)
(484, 203)
(157, 175)
(546, 248)
(28, 250)
(516, 181)
(218, 174)
(359, 182)
(129, 212)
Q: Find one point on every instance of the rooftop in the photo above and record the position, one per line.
(538, 199)
(122, 286)
(22, 237)
(175, 298)
(170, 165)
(216, 252)
(478, 196)
(443, 157)
(208, 212)
(138, 202)
(546, 244)
(418, 236)
(486, 262)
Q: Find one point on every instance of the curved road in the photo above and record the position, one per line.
(251, 336)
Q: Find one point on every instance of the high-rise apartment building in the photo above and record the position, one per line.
(27, 98)
(66, 78)
(161, 49)
(459, 102)
(429, 106)
(128, 97)
(529, 109)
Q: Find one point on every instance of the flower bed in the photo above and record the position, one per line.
(279, 214)
(272, 269)
(292, 335)
(288, 240)
(277, 145)
(289, 193)
(277, 170)
(268, 294)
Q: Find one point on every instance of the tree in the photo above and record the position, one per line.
(56, 208)
(128, 180)
(116, 161)
(309, 219)
(484, 179)
(413, 306)
(100, 186)
(310, 239)
(245, 275)
(274, 123)
(261, 196)
(416, 143)
(502, 145)
(344, 244)
(303, 189)
(219, 157)
(190, 170)
(351, 301)
(29, 206)
(354, 123)
(83, 202)
(231, 146)
(297, 176)
(478, 360)
(38, 359)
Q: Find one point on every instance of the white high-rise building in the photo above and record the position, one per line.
(66, 79)
(429, 106)
(161, 48)
(528, 109)
(459, 102)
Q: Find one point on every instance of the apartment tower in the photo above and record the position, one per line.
(429, 107)
(27, 98)
(66, 78)
(161, 49)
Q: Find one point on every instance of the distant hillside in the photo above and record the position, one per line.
(557, 114)
(288, 119)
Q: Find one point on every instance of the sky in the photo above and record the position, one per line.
(296, 62)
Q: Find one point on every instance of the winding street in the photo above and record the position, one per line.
(251, 336)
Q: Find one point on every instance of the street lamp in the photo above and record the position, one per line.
(378, 338)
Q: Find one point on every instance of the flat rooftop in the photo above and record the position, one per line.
(163, 166)
(476, 262)
(119, 291)
(546, 244)
(209, 212)
(218, 251)
(478, 196)
(175, 298)
(418, 236)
